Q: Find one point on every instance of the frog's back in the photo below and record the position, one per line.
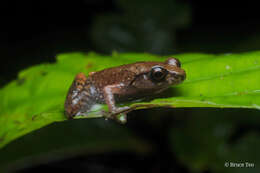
(123, 74)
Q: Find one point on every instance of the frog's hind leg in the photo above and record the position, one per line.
(78, 99)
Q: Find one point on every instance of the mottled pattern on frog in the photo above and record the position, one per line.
(79, 97)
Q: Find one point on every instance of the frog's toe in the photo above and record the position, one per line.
(121, 118)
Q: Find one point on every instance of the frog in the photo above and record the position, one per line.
(121, 84)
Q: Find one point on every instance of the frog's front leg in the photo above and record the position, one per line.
(109, 92)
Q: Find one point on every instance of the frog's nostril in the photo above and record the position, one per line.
(179, 76)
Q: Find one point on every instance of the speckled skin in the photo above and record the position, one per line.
(119, 84)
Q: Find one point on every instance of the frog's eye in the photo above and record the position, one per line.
(173, 61)
(158, 73)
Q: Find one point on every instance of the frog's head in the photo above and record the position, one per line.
(169, 72)
(161, 75)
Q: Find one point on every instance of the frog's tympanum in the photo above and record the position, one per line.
(119, 84)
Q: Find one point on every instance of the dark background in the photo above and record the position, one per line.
(33, 32)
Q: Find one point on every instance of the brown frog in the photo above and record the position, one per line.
(119, 84)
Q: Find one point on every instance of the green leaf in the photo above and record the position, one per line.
(36, 98)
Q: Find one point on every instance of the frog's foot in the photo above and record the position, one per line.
(121, 118)
(118, 114)
(119, 110)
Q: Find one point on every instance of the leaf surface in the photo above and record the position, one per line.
(37, 97)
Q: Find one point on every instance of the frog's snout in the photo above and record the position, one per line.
(182, 75)
(178, 76)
